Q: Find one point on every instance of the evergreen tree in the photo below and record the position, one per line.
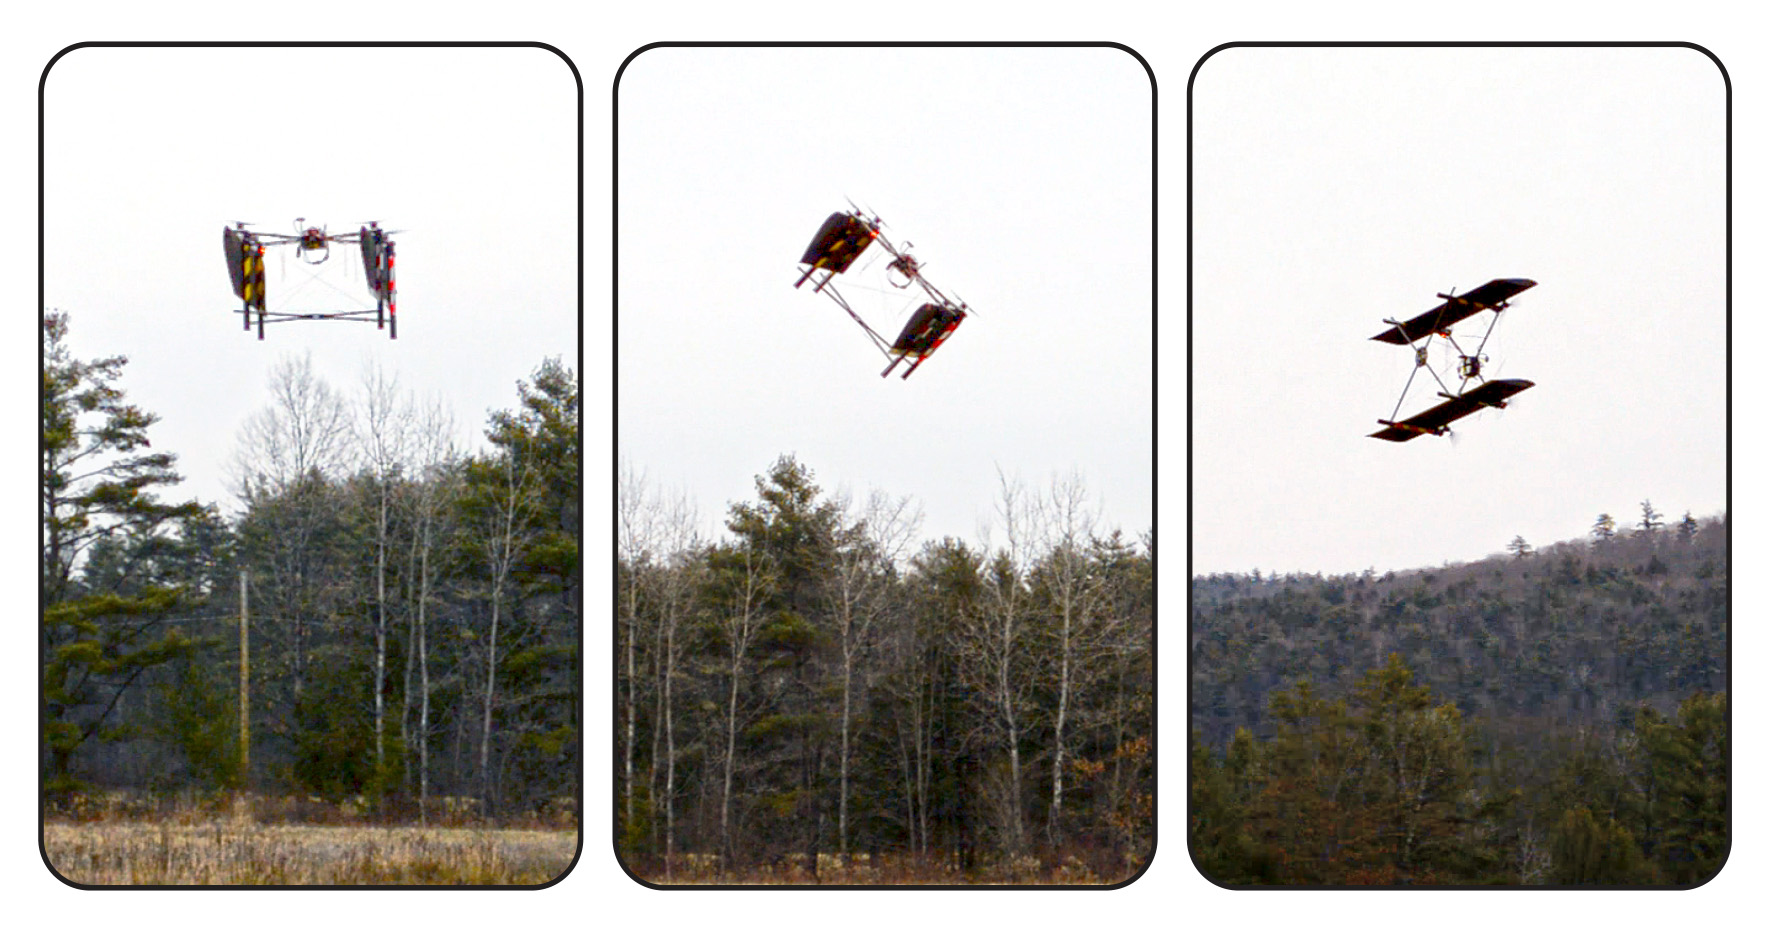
(794, 532)
(1687, 529)
(1589, 850)
(1307, 813)
(1604, 529)
(1651, 519)
(98, 488)
(539, 671)
(1688, 774)
(1518, 547)
(1420, 773)
(1218, 828)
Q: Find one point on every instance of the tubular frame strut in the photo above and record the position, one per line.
(908, 270)
(1469, 367)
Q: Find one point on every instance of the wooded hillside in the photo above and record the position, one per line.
(1541, 716)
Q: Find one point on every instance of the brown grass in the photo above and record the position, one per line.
(244, 852)
(186, 808)
(887, 869)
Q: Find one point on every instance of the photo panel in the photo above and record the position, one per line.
(885, 428)
(1459, 529)
(311, 518)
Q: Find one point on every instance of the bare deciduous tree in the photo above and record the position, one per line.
(286, 453)
(993, 655)
(635, 525)
(435, 485)
(866, 550)
(744, 582)
(1070, 581)
(506, 503)
(383, 443)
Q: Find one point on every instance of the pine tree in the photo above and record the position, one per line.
(1687, 529)
(795, 531)
(1589, 850)
(1518, 547)
(98, 493)
(1651, 519)
(1418, 772)
(1604, 529)
(1688, 769)
(539, 676)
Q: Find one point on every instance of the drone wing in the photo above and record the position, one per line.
(234, 245)
(1493, 294)
(838, 242)
(1434, 420)
(246, 266)
(929, 326)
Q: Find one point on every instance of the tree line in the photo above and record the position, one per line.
(1389, 785)
(399, 617)
(814, 681)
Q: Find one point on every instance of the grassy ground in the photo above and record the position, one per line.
(888, 869)
(243, 852)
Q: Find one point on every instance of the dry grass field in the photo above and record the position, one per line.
(861, 869)
(233, 852)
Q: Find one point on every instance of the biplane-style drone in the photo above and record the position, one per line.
(313, 245)
(1493, 297)
(838, 243)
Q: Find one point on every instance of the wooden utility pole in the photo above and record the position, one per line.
(245, 682)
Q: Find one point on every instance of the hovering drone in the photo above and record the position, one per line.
(841, 240)
(1492, 296)
(245, 251)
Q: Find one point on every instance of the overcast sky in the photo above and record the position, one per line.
(472, 154)
(1022, 176)
(1337, 187)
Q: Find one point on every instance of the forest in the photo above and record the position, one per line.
(1540, 717)
(387, 623)
(817, 697)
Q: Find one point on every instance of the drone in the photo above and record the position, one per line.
(1493, 296)
(840, 241)
(245, 252)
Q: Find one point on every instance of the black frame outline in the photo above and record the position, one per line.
(578, 82)
(615, 434)
(1728, 434)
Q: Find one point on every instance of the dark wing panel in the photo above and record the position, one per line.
(1393, 433)
(1497, 390)
(1439, 319)
(1482, 298)
(1496, 291)
(914, 328)
(232, 244)
(839, 241)
(1420, 326)
(930, 324)
(1437, 418)
(369, 242)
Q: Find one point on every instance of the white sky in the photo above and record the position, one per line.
(470, 153)
(1334, 188)
(1022, 176)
